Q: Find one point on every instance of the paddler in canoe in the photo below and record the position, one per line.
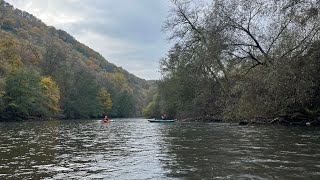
(106, 119)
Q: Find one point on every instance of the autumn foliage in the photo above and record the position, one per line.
(46, 73)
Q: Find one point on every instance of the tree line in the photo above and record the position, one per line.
(241, 59)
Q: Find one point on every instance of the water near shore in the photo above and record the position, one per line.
(137, 149)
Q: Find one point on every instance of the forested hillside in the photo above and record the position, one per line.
(45, 72)
(243, 59)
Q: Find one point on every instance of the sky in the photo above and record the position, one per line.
(126, 32)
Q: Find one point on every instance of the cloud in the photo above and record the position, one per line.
(126, 32)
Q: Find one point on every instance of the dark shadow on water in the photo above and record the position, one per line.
(221, 151)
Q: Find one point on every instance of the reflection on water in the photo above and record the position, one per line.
(137, 149)
(222, 151)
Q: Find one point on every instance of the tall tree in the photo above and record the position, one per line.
(125, 105)
(237, 58)
(24, 96)
(105, 101)
(51, 91)
(54, 58)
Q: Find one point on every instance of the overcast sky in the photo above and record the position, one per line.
(126, 32)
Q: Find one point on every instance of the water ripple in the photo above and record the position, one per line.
(137, 149)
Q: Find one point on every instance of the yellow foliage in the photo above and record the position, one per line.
(8, 55)
(120, 81)
(105, 100)
(34, 30)
(92, 64)
(51, 90)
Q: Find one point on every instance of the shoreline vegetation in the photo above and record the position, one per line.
(242, 61)
(295, 120)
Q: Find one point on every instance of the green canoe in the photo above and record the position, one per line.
(161, 120)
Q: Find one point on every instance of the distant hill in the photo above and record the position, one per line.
(79, 72)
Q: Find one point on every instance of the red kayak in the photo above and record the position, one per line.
(106, 119)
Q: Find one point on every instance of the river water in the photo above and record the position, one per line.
(137, 149)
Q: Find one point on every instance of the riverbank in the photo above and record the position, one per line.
(296, 119)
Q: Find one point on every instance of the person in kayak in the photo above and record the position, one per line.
(106, 119)
(164, 117)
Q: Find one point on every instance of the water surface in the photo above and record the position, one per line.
(137, 149)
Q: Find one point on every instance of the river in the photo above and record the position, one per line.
(137, 149)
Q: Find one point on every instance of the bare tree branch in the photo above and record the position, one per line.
(278, 35)
(315, 28)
